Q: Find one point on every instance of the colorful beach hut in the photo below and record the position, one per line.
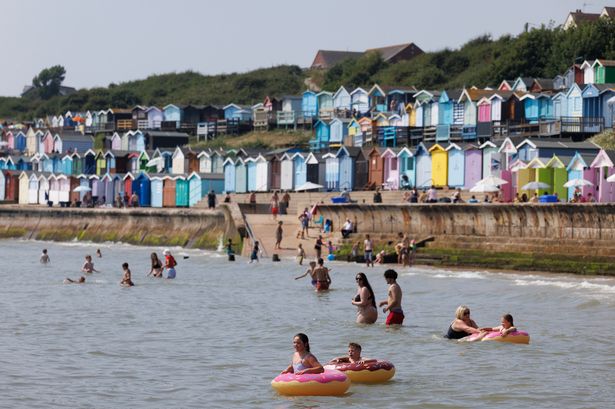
(456, 165)
(332, 171)
(423, 165)
(604, 164)
(439, 165)
(229, 175)
(241, 176)
(168, 191)
(300, 169)
(287, 172)
(405, 161)
(579, 168)
(390, 168)
(156, 190)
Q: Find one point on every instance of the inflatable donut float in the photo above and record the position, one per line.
(327, 383)
(515, 337)
(370, 372)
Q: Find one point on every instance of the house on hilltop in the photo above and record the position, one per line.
(325, 59)
(579, 17)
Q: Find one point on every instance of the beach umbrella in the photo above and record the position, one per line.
(578, 183)
(82, 189)
(611, 178)
(492, 180)
(484, 189)
(308, 186)
(536, 186)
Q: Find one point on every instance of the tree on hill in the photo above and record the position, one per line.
(48, 81)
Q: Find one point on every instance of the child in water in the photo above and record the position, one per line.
(98, 253)
(506, 327)
(45, 257)
(229, 248)
(311, 272)
(88, 266)
(127, 277)
(80, 280)
(255, 251)
(300, 254)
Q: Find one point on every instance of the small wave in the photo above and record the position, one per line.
(568, 285)
(460, 274)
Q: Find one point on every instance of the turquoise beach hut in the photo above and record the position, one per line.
(241, 176)
(300, 168)
(182, 191)
(405, 160)
(229, 175)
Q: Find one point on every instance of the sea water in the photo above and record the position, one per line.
(218, 334)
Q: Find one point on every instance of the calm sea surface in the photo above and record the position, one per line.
(218, 334)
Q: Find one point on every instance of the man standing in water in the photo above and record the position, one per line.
(321, 273)
(393, 302)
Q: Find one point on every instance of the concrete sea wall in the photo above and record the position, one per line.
(168, 227)
(577, 238)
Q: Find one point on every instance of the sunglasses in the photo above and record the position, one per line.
(358, 279)
(467, 313)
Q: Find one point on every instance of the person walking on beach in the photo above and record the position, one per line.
(255, 252)
(127, 277)
(156, 270)
(321, 273)
(45, 257)
(211, 199)
(278, 236)
(169, 264)
(318, 247)
(393, 302)
(368, 244)
(88, 266)
(300, 254)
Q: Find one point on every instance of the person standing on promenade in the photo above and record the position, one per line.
(432, 195)
(274, 205)
(284, 203)
(252, 200)
(45, 257)
(278, 236)
(368, 245)
(393, 302)
(321, 273)
(211, 199)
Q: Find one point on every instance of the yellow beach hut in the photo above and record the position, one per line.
(439, 165)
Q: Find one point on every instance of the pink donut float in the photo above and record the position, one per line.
(370, 372)
(515, 337)
(327, 383)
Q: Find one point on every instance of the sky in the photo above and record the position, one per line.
(100, 42)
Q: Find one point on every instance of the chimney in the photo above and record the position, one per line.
(578, 11)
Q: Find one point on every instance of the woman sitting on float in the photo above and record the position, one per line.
(462, 325)
(303, 362)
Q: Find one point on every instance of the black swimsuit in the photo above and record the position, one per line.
(452, 334)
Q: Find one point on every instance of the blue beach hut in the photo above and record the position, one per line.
(229, 175)
(300, 168)
(241, 176)
(405, 160)
(142, 186)
(156, 190)
(456, 165)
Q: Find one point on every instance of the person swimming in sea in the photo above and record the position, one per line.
(506, 326)
(303, 362)
(156, 270)
(45, 257)
(88, 266)
(98, 253)
(127, 277)
(80, 280)
(353, 357)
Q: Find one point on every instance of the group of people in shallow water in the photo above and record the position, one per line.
(364, 300)
(157, 268)
(464, 326)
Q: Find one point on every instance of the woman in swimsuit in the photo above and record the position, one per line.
(462, 325)
(303, 362)
(156, 270)
(367, 313)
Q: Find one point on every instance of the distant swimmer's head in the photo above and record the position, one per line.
(124, 266)
(44, 251)
(81, 279)
(88, 257)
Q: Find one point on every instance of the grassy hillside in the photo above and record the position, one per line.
(541, 52)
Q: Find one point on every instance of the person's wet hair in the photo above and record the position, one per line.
(355, 346)
(508, 318)
(124, 265)
(390, 274)
(304, 338)
(363, 278)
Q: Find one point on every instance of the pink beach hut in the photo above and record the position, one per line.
(604, 167)
(391, 168)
